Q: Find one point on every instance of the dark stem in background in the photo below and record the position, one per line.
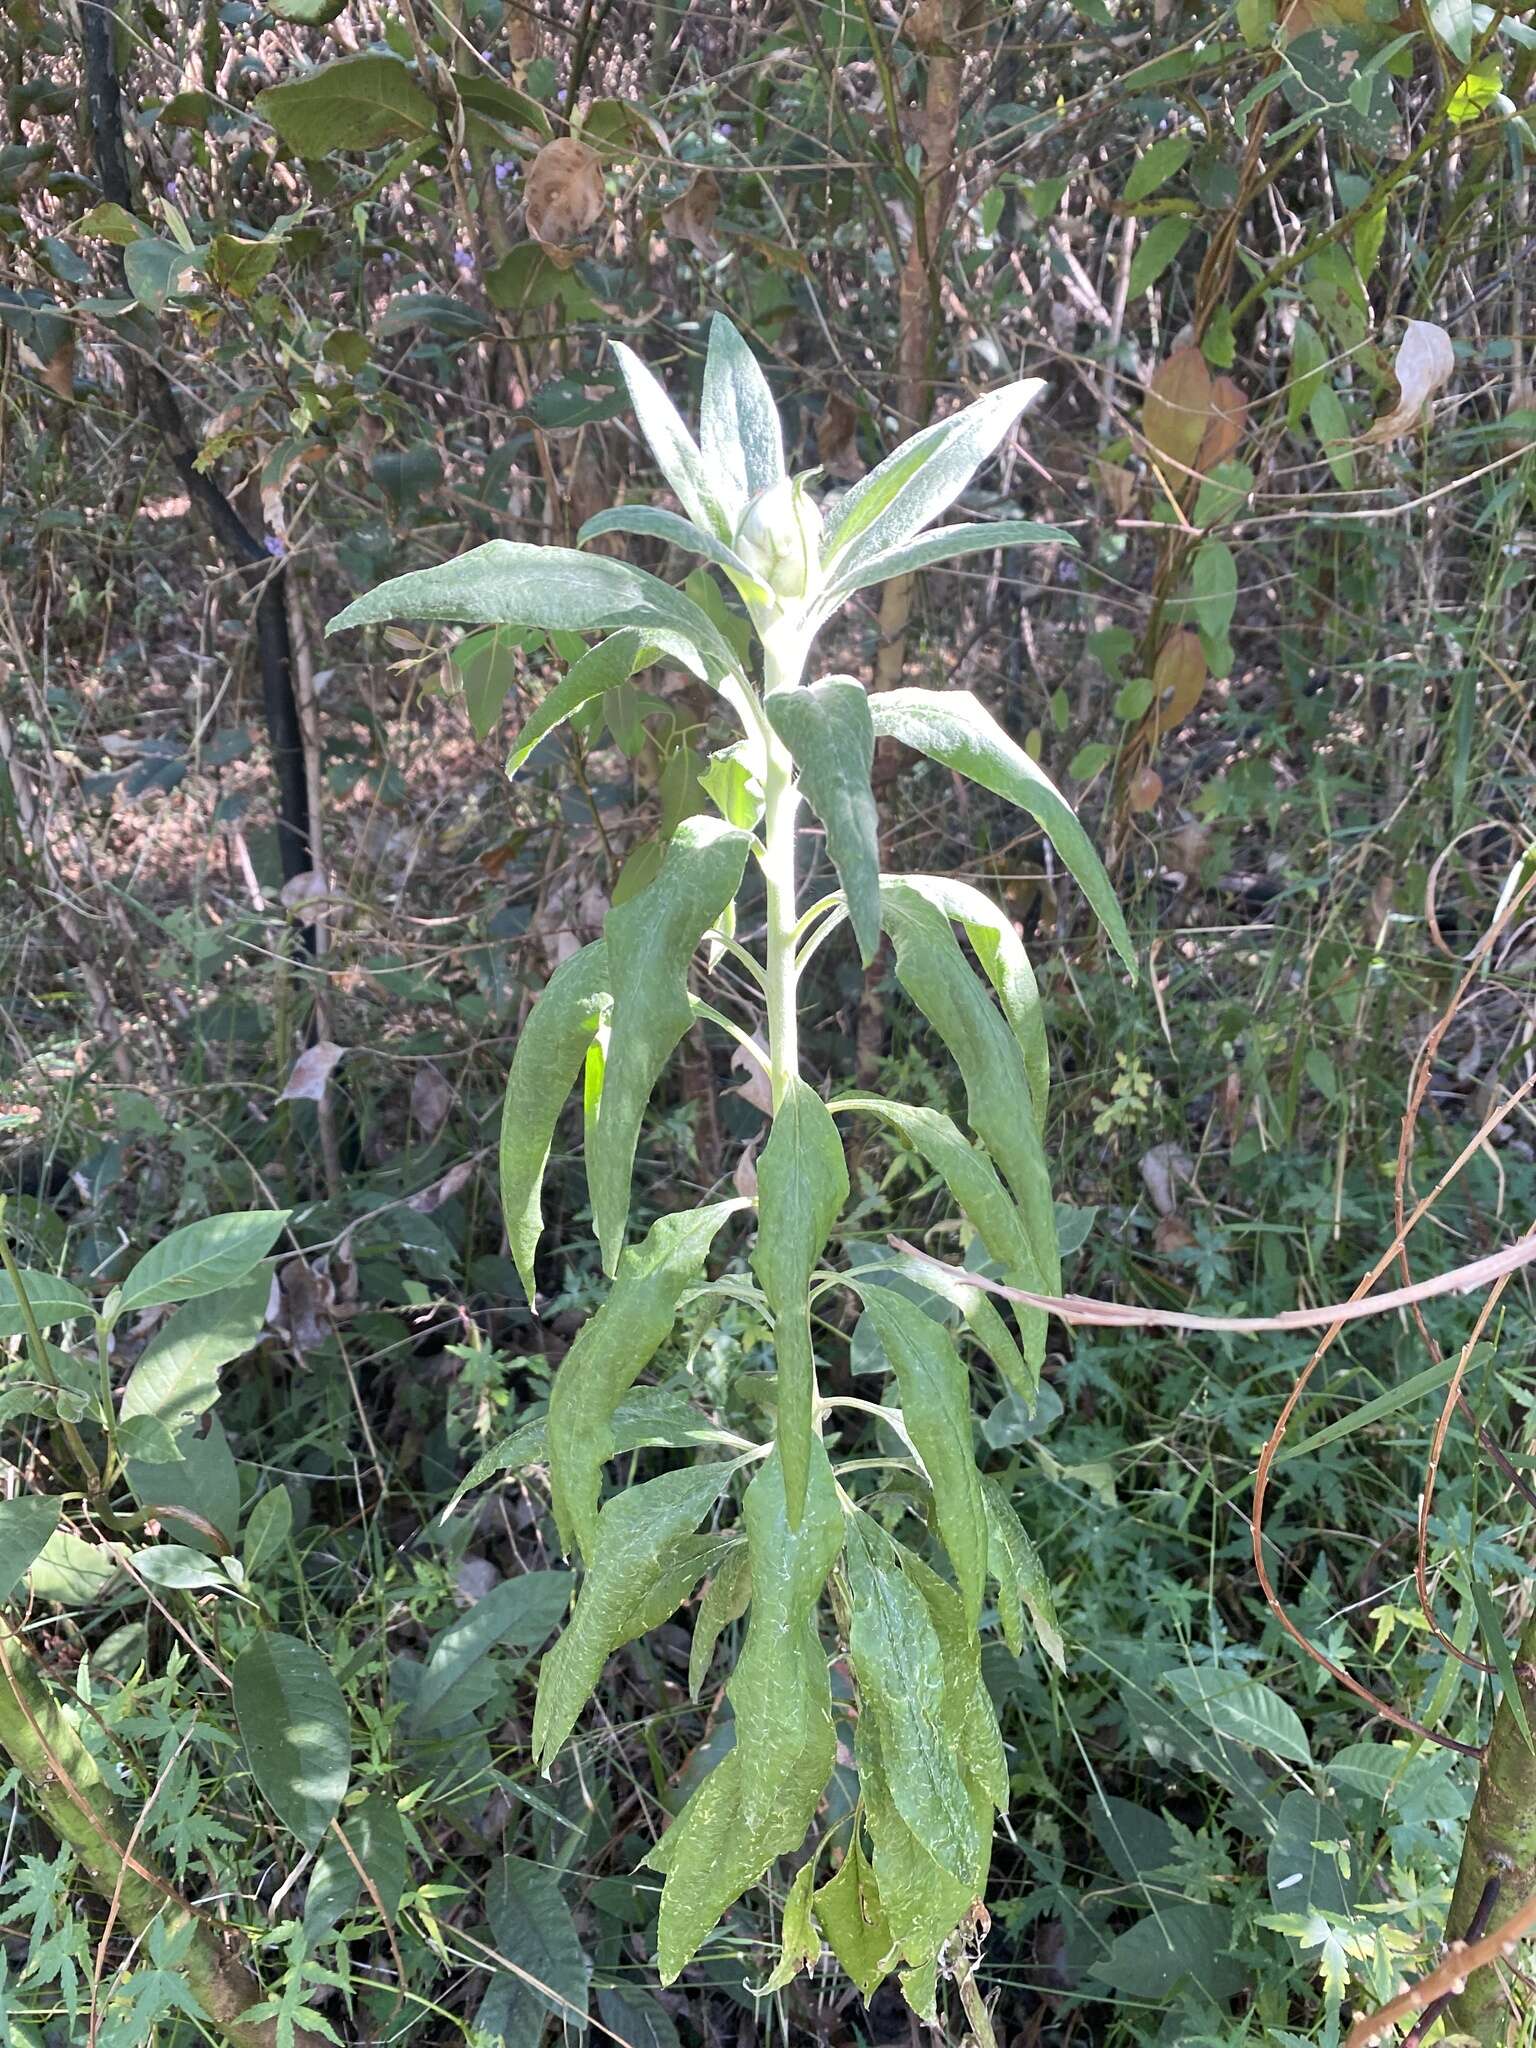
(263, 575)
(1500, 1845)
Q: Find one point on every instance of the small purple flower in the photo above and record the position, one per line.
(273, 544)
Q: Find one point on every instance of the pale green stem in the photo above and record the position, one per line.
(783, 656)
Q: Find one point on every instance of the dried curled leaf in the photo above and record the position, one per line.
(1228, 418)
(1177, 412)
(563, 195)
(692, 214)
(1179, 673)
(837, 447)
(311, 1071)
(1425, 364)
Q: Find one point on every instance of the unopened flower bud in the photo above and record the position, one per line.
(780, 538)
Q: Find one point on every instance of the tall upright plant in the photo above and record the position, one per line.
(889, 1558)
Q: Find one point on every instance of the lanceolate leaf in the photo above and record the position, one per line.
(920, 480)
(545, 1062)
(739, 422)
(725, 1600)
(706, 496)
(935, 1405)
(532, 1927)
(648, 1417)
(177, 1378)
(357, 103)
(829, 731)
(293, 1723)
(953, 727)
(50, 1299)
(986, 1324)
(802, 1184)
(799, 1943)
(899, 1666)
(518, 1614)
(935, 974)
(853, 1919)
(634, 1530)
(1001, 952)
(601, 668)
(679, 533)
(514, 583)
(201, 1257)
(945, 544)
(970, 1719)
(1014, 1562)
(651, 941)
(609, 1355)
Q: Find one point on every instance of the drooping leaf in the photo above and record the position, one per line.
(651, 1416)
(515, 583)
(853, 1920)
(706, 494)
(546, 1060)
(725, 1600)
(1014, 1563)
(970, 1719)
(377, 1839)
(739, 422)
(799, 1943)
(177, 1378)
(182, 1570)
(355, 103)
(921, 479)
(651, 941)
(26, 1523)
(952, 726)
(828, 729)
(944, 544)
(802, 1184)
(935, 1405)
(198, 1491)
(50, 1299)
(899, 1667)
(634, 1532)
(518, 1614)
(983, 1321)
(532, 1927)
(611, 1352)
(201, 1257)
(293, 1722)
(679, 533)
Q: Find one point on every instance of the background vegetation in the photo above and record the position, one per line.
(273, 914)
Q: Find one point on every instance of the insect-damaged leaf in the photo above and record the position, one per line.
(651, 941)
(635, 1532)
(802, 1184)
(545, 1062)
(829, 731)
(936, 1407)
(759, 1800)
(611, 1352)
(954, 727)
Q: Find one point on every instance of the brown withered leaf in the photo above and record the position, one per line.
(431, 1099)
(563, 192)
(58, 373)
(1118, 485)
(1172, 1234)
(1177, 413)
(1146, 788)
(1179, 674)
(1425, 364)
(691, 215)
(522, 36)
(311, 1071)
(1164, 1170)
(837, 448)
(433, 1198)
(1229, 417)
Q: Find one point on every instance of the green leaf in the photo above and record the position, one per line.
(518, 1614)
(1309, 363)
(739, 422)
(799, 1943)
(853, 1920)
(943, 544)
(934, 973)
(1213, 574)
(899, 1667)
(952, 727)
(1173, 1945)
(177, 1377)
(532, 1927)
(651, 943)
(515, 583)
(1455, 23)
(936, 1408)
(267, 1528)
(633, 2016)
(147, 1439)
(202, 1482)
(1156, 250)
(1163, 160)
(1330, 423)
(51, 1300)
(633, 1535)
(970, 1719)
(182, 1570)
(706, 494)
(486, 665)
(1223, 493)
(802, 1184)
(658, 524)
(1303, 1876)
(71, 1571)
(725, 1600)
(981, 1318)
(1014, 1562)
(546, 1060)
(377, 1839)
(650, 1417)
(26, 1524)
(200, 1258)
(1001, 952)
(312, 13)
(1242, 1710)
(828, 730)
(356, 103)
(611, 1351)
(293, 1722)
(1497, 1646)
(156, 270)
(921, 479)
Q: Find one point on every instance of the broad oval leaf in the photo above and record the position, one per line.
(355, 103)
(802, 1184)
(196, 1493)
(651, 941)
(201, 1257)
(1243, 1710)
(177, 1377)
(50, 1299)
(953, 727)
(611, 1351)
(828, 730)
(293, 1723)
(546, 1060)
(26, 1524)
(376, 1837)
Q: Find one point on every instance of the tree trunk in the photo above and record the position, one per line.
(1500, 1848)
